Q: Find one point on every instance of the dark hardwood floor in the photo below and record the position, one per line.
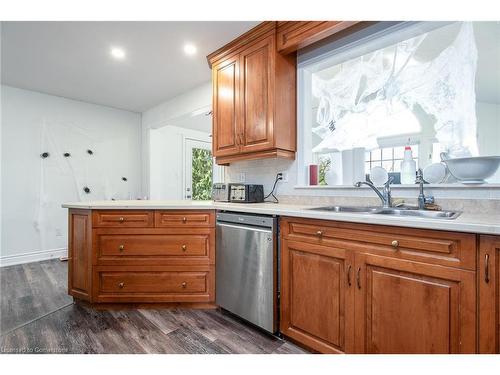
(38, 317)
(31, 290)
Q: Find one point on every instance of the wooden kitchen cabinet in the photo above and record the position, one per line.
(488, 295)
(80, 253)
(358, 288)
(293, 35)
(317, 296)
(225, 126)
(142, 256)
(254, 101)
(406, 307)
(256, 126)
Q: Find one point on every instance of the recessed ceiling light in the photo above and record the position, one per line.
(118, 53)
(190, 49)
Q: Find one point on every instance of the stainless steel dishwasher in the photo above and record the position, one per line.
(247, 267)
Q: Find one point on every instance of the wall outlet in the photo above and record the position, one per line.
(284, 176)
(58, 232)
(241, 177)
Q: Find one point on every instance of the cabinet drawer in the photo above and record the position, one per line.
(184, 219)
(152, 245)
(123, 219)
(430, 246)
(154, 284)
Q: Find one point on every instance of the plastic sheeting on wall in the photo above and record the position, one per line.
(63, 177)
(443, 87)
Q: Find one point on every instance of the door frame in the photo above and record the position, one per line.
(217, 170)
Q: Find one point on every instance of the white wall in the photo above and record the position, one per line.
(169, 113)
(34, 226)
(167, 157)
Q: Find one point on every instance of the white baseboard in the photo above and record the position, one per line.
(33, 256)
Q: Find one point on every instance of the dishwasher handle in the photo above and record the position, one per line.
(244, 227)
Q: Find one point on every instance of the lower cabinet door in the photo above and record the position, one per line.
(316, 296)
(489, 294)
(403, 306)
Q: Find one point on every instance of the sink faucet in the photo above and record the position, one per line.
(385, 196)
(422, 199)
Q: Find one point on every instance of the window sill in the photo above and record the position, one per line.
(399, 186)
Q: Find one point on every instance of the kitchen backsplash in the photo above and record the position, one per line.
(485, 199)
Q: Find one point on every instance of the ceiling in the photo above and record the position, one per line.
(72, 59)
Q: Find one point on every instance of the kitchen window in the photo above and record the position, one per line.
(432, 85)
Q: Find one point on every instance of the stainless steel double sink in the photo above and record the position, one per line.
(392, 211)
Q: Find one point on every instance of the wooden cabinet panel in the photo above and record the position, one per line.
(256, 131)
(293, 35)
(315, 305)
(152, 245)
(489, 294)
(173, 218)
(409, 307)
(123, 219)
(253, 98)
(150, 260)
(79, 254)
(225, 78)
(154, 284)
(397, 300)
(436, 247)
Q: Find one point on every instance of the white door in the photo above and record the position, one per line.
(200, 171)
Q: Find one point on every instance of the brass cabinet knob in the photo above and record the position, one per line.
(121, 247)
(395, 244)
(319, 233)
(184, 247)
(184, 284)
(184, 219)
(121, 285)
(121, 219)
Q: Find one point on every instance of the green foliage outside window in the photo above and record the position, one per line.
(202, 174)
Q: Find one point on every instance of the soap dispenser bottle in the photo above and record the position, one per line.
(408, 167)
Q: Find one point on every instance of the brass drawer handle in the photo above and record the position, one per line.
(121, 285)
(121, 247)
(184, 219)
(319, 233)
(395, 244)
(121, 219)
(184, 247)
(358, 277)
(184, 284)
(349, 275)
(487, 268)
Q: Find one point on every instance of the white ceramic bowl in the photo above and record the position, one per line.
(473, 170)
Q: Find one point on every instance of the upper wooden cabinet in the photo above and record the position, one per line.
(254, 102)
(225, 78)
(293, 35)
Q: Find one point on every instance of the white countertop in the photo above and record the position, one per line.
(472, 223)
